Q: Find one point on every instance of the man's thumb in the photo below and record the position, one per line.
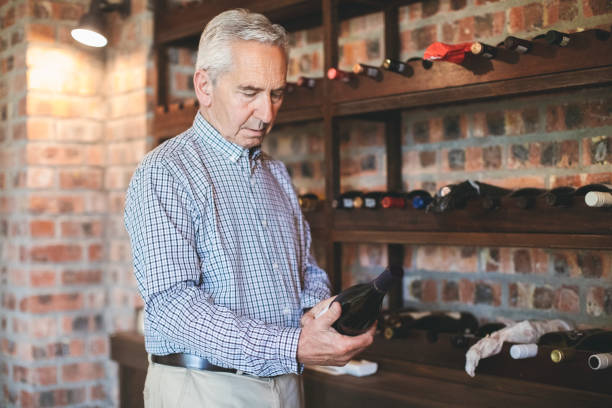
(332, 314)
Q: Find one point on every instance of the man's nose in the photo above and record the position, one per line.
(264, 110)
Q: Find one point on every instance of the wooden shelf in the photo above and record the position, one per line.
(590, 63)
(544, 227)
(182, 25)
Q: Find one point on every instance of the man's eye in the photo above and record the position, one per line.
(277, 96)
(249, 94)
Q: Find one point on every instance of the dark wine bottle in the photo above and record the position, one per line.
(435, 323)
(350, 199)
(600, 361)
(559, 196)
(308, 202)
(604, 188)
(427, 64)
(342, 76)
(457, 195)
(558, 38)
(372, 199)
(525, 197)
(593, 340)
(483, 50)
(368, 71)
(518, 44)
(306, 82)
(397, 326)
(361, 303)
(398, 67)
(419, 198)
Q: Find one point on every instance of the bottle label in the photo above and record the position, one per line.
(564, 41)
(521, 49)
(347, 202)
(370, 202)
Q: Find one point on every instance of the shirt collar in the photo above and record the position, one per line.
(212, 136)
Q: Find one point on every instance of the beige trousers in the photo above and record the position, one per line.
(170, 387)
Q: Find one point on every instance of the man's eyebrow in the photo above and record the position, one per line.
(256, 89)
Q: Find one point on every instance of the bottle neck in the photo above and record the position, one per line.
(385, 280)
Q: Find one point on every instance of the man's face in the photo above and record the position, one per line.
(246, 99)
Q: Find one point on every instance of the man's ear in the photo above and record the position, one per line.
(203, 87)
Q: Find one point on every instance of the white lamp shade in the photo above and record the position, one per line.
(89, 37)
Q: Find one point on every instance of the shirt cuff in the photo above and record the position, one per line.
(287, 349)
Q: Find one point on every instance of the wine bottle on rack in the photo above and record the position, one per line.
(554, 37)
(559, 196)
(427, 64)
(308, 202)
(368, 71)
(464, 340)
(594, 340)
(392, 200)
(398, 67)
(306, 82)
(398, 325)
(342, 76)
(600, 361)
(419, 199)
(483, 50)
(518, 44)
(559, 339)
(447, 52)
(604, 188)
(372, 199)
(436, 323)
(598, 199)
(350, 199)
(525, 198)
(457, 195)
(361, 303)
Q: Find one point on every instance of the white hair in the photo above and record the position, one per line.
(214, 51)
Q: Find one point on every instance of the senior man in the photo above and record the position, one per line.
(220, 246)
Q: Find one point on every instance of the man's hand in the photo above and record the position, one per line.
(321, 344)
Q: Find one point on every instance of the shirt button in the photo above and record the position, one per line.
(275, 266)
(264, 223)
(253, 182)
(286, 311)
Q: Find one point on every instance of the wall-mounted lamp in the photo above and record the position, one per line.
(90, 30)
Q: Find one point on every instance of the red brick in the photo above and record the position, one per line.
(42, 228)
(517, 20)
(81, 229)
(567, 299)
(41, 33)
(599, 301)
(95, 252)
(51, 303)
(56, 253)
(82, 371)
(521, 295)
(597, 150)
(67, 11)
(534, 15)
(82, 277)
(42, 278)
(543, 297)
(466, 291)
(596, 7)
(90, 179)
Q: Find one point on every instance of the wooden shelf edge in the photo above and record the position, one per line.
(486, 239)
(479, 91)
(299, 115)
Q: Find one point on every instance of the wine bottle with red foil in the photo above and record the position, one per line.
(306, 82)
(368, 71)
(525, 198)
(398, 67)
(455, 53)
(393, 200)
(361, 304)
(518, 44)
(560, 196)
(419, 199)
(336, 74)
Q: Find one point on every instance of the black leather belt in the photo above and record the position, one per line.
(189, 361)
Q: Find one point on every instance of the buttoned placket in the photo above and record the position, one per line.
(255, 170)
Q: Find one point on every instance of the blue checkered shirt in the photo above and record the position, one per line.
(221, 253)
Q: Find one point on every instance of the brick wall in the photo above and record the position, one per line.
(73, 125)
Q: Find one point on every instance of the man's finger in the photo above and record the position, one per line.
(331, 315)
